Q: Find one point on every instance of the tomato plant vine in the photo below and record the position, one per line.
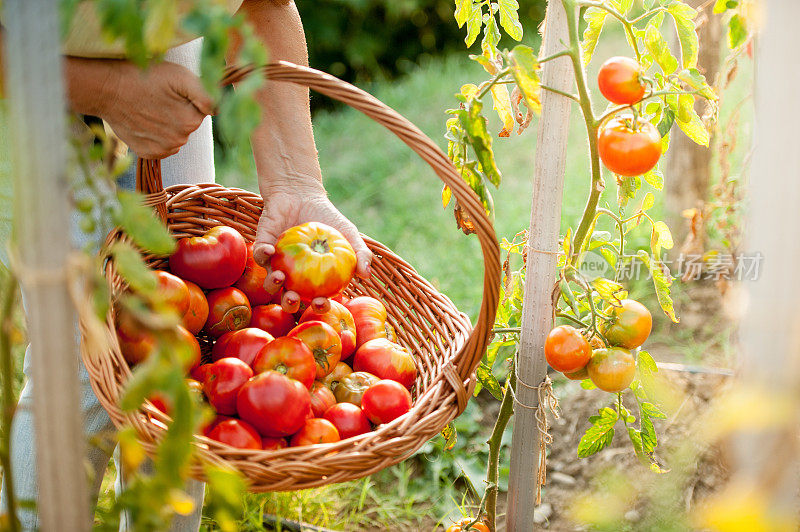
(629, 138)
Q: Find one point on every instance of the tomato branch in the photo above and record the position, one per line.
(8, 402)
(619, 16)
(495, 441)
(487, 86)
(562, 93)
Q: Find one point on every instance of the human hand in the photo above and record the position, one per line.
(294, 204)
(155, 110)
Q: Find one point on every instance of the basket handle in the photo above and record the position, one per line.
(148, 181)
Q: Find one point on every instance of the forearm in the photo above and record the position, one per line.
(88, 84)
(283, 143)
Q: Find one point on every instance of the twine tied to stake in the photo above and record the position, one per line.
(547, 401)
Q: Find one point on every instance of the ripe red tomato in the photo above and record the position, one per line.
(315, 430)
(348, 419)
(317, 260)
(274, 404)
(620, 81)
(218, 418)
(223, 380)
(236, 433)
(287, 356)
(340, 370)
(322, 399)
(243, 344)
(386, 360)
(342, 322)
(626, 151)
(172, 291)
(324, 343)
(612, 369)
(252, 281)
(273, 444)
(463, 526)
(566, 349)
(229, 310)
(199, 373)
(214, 260)
(369, 315)
(351, 388)
(385, 401)
(195, 317)
(629, 324)
(272, 319)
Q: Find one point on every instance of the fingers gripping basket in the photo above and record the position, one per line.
(445, 346)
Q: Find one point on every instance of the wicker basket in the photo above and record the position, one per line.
(445, 346)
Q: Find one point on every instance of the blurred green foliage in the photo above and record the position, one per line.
(374, 39)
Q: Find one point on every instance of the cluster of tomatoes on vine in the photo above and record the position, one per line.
(274, 378)
(628, 144)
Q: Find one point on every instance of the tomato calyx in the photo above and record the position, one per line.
(320, 245)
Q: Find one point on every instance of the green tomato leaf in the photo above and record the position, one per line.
(509, 18)
(655, 179)
(450, 436)
(661, 281)
(161, 19)
(524, 67)
(627, 187)
(652, 411)
(474, 125)
(145, 229)
(636, 441)
(599, 435)
(463, 11)
(665, 124)
(491, 35)
(664, 235)
(697, 81)
(657, 46)
(695, 129)
(720, 6)
(587, 384)
(488, 381)
(595, 19)
(648, 201)
(609, 290)
(737, 31)
(684, 24)
(474, 24)
(648, 433)
(131, 267)
(623, 6)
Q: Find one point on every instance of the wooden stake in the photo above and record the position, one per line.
(537, 311)
(37, 114)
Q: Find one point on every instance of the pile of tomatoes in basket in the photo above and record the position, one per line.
(278, 379)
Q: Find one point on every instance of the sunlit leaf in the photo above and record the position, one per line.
(524, 66)
(655, 179)
(502, 104)
(595, 19)
(609, 290)
(474, 125)
(140, 223)
(161, 20)
(648, 201)
(697, 81)
(720, 6)
(463, 11)
(129, 264)
(737, 31)
(661, 282)
(695, 129)
(446, 195)
(491, 35)
(450, 436)
(651, 410)
(657, 46)
(488, 381)
(599, 435)
(665, 124)
(684, 22)
(474, 24)
(509, 18)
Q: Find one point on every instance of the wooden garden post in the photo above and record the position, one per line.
(37, 118)
(767, 457)
(537, 311)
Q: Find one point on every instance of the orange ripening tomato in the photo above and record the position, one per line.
(324, 343)
(195, 318)
(252, 281)
(342, 322)
(566, 349)
(322, 399)
(620, 80)
(612, 369)
(626, 151)
(340, 371)
(629, 324)
(463, 526)
(370, 317)
(316, 259)
(229, 310)
(315, 430)
(172, 291)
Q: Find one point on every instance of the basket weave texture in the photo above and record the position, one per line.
(446, 347)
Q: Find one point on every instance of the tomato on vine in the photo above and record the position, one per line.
(612, 369)
(464, 525)
(620, 81)
(566, 349)
(628, 325)
(626, 149)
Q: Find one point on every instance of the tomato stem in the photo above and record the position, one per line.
(495, 440)
(320, 245)
(9, 404)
